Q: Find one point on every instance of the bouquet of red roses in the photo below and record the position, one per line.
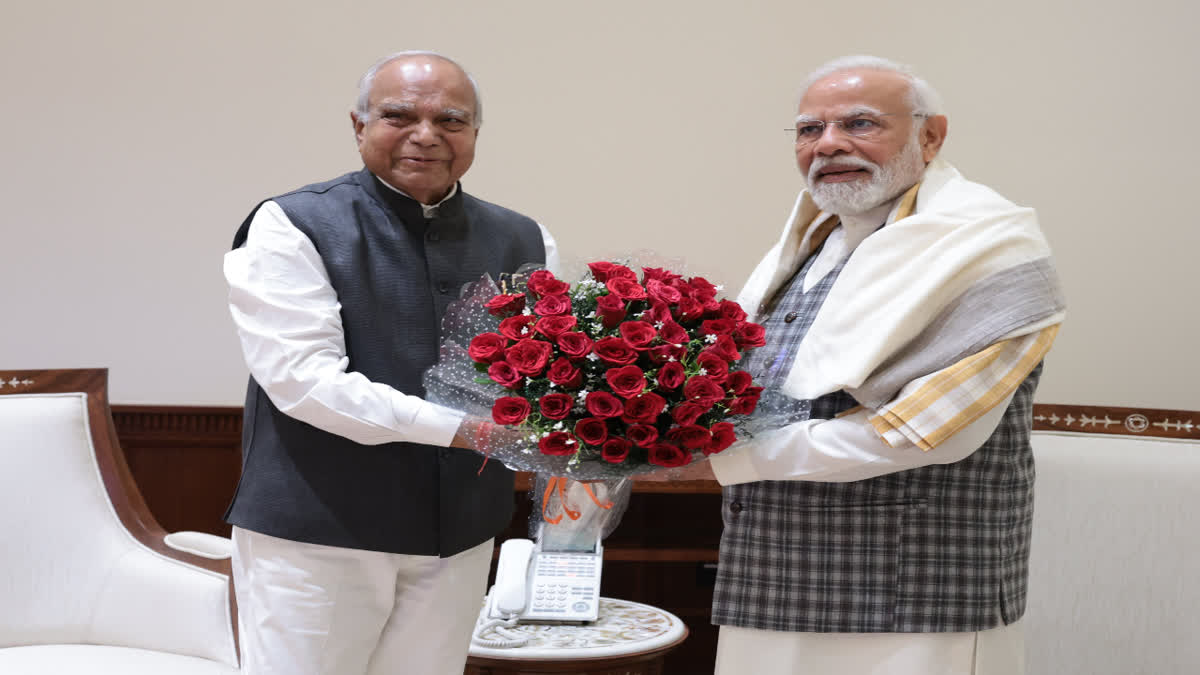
(631, 372)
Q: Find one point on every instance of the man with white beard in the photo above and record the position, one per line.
(882, 525)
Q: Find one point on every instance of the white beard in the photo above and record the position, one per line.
(886, 182)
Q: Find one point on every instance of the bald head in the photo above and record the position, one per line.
(362, 105)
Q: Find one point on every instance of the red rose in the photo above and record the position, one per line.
(671, 375)
(749, 335)
(626, 289)
(690, 310)
(714, 366)
(615, 350)
(591, 430)
(657, 274)
(604, 404)
(505, 375)
(575, 345)
(638, 334)
(615, 450)
(529, 356)
(703, 391)
(729, 309)
(703, 289)
(516, 327)
(558, 443)
(744, 404)
(660, 292)
(673, 333)
(555, 406)
(691, 437)
(487, 347)
(665, 454)
(611, 310)
(660, 312)
(642, 435)
(644, 408)
(600, 270)
(687, 413)
(712, 308)
(564, 373)
(626, 381)
(505, 305)
(738, 381)
(722, 437)
(553, 326)
(717, 327)
(621, 272)
(724, 348)
(543, 283)
(665, 353)
(552, 305)
(510, 410)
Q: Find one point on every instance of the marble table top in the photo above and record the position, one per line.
(623, 627)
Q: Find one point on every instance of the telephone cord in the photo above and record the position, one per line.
(505, 639)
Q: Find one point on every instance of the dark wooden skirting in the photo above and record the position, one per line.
(186, 461)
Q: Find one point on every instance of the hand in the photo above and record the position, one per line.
(478, 433)
(697, 470)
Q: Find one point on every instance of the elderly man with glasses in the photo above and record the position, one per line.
(884, 526)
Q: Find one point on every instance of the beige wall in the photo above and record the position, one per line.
(136, 135)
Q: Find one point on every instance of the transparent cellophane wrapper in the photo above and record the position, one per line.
(454, 383)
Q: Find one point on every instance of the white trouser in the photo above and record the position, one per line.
(996, 651)
(306, 609)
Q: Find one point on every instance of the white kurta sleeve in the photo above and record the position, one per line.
(553, 261)
(842, 449)
(288, 319)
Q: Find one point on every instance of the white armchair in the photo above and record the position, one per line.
(88, 583)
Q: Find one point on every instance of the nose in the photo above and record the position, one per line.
(832, 141)
(424, 133)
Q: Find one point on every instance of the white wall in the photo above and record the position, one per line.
(136, 136)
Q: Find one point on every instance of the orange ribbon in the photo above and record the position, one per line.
(559, 483)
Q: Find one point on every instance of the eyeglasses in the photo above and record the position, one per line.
(864, 127)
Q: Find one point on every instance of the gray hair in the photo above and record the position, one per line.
(362, 105)
(921, 96)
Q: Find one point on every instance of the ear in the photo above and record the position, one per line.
(358, 126)
(933, 134)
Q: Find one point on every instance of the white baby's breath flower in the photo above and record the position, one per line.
(671, 359)
(720, 287)
(710, 338)
(527, 312)
(658, 325)
(558, 425)
(524, 330)
(597, 326)
(703, 371)
(593, 357)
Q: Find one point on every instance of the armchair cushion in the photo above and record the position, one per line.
(72, 659)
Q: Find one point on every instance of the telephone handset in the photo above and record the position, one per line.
(546, 586)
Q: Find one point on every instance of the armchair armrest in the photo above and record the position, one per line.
(200, 543)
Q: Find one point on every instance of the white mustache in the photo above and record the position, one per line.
(822, 162)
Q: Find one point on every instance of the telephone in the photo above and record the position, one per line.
(537, 586)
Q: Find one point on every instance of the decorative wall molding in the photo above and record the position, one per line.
(178, 422)
(15, 383)
(1094, 419)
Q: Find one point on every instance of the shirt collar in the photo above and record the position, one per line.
(428, 210)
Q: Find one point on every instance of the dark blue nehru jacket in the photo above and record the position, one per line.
(395, 273)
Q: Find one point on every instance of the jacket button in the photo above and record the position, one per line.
(433, 236)
(791, 316)
(735, 507)
(443, 287)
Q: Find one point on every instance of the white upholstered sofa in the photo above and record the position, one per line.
(88, 583)
(1115, 566)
